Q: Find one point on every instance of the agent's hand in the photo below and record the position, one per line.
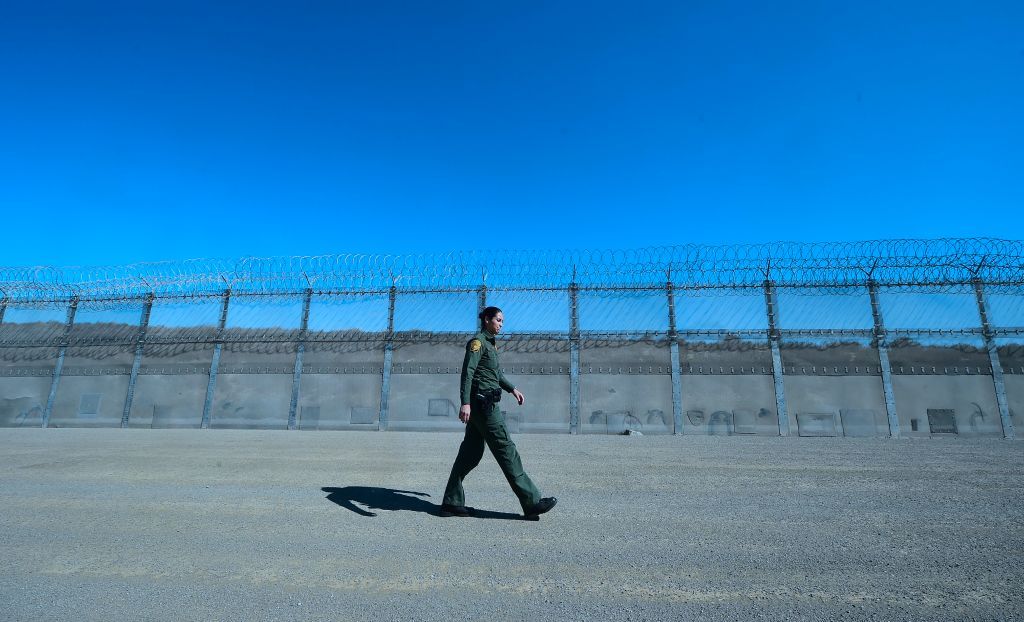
(464, 413)
(519, 396)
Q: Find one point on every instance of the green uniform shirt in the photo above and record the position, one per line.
(481, 370)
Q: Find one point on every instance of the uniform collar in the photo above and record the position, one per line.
(488, 336)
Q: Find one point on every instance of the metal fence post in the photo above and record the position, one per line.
(574, 358)
(481, 301)
(140, 344)
(673, 349)
(300, 348)
(3, 309)
(61, 350)
(385, 383)
(218, 345)
(772, 306)
(993, 359)
(882, 345)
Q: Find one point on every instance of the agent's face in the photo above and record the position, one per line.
(493, 325)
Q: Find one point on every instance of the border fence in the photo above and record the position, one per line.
(899, 338)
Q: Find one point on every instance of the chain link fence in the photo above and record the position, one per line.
(882, 338)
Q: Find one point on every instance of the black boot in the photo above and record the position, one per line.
(540, 507)
(455, 510)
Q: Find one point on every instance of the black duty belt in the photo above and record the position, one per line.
(491, 395)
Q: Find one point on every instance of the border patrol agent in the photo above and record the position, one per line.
(481, 387)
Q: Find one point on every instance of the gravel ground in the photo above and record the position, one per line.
(237, 525)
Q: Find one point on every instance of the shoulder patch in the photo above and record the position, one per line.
(474, 345)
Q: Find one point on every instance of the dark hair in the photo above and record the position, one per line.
(487, 314)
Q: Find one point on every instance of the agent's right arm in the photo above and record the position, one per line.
(474, 350)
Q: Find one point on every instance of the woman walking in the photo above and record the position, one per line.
(481, 385)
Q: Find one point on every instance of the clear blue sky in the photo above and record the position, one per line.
(149, 130)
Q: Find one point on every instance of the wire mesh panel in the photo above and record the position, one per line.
(31, 325)
(829, 356)
(951, 308)
(424, 390)
(343, 363)
(728, 355)
(171, 387)
(724, 310)
(257, 364)
(264, 318)
(184, 319)
(532, 311)
(913, 354)
(846, 309)
(625, 384)
(432, 312)
(331, 315)
(623, 311)
(100, 325)
(1006, 309)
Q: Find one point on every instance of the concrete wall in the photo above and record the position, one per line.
(254, 401)
(612, 403)
(89, 401)
(726, 405)
(424, 402)
(725, 356)
(340, 386)
(171, 388)
(835, 357)
(339, 401)
(254, 386)
(25, 378)
(971, 398)
(93, 386)
(625, 385)
(425, 385)
(539, 368)
(1011, 356)
(168, 401)
(855, 403)
(22, 400)
(1015, 399)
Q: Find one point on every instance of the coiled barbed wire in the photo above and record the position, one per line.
(826, 267)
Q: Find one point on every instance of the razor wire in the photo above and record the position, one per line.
(935, 265)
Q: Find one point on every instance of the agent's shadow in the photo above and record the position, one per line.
(374, 498)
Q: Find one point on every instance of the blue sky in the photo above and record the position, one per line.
(136, 131)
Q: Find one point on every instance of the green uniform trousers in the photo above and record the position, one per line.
(486, 425)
